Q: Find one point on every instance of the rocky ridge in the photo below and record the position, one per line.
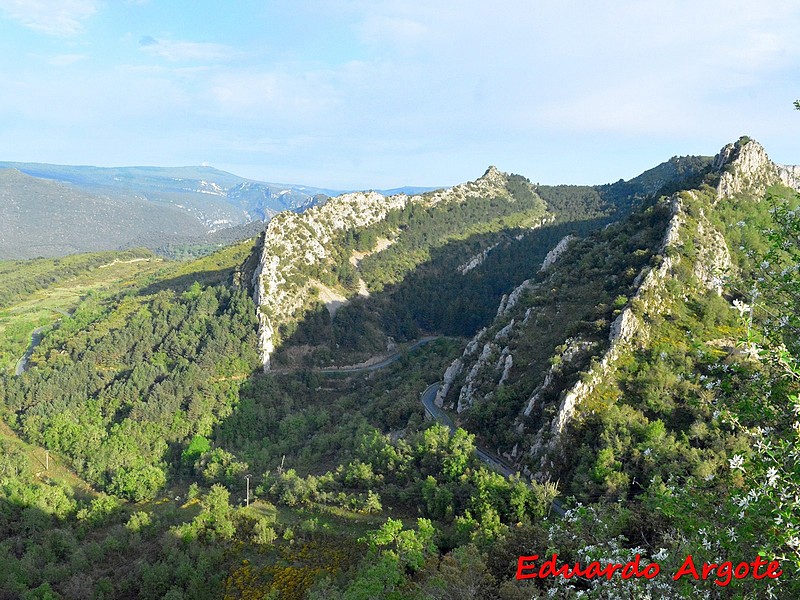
(293, 242)
(743, 167)
(746, 167)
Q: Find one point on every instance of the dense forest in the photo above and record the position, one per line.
(145, 454)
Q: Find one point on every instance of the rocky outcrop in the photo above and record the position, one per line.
(491, 182)
(573, 347)
(713, 261)
(504, 332)
(293, 241)
(557, 251)
(474, 343)
(450, 375)
(743, 168)
(789, 176)
(297, 244)
(506, 362)
(746, 168)
(509, 301)
(467, 395)
(624, 328)
(476, 260)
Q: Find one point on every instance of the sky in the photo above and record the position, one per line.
(349, 94)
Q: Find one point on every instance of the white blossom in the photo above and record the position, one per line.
(737, 462)
(741, 307)
(772, 476)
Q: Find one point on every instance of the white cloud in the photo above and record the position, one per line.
(403, 32)
(425, 91)
(53, 17)
(181, 51)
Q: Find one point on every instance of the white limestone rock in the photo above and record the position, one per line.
(557, 251)
(507, 364)
(476, 260)
(450, 375)
(747, 168)
(293, 240)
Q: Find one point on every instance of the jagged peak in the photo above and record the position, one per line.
(493, 181)
(493, 175)
(745, 167)
(745, 152)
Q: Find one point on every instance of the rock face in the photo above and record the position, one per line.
(713, 257)
(557, 251)
(746, 167)
(467, 395)
(790, 176)
(450, 375)
(506, 365)
(476, 260)
(688, 235)
(624, 327)
(294, 242)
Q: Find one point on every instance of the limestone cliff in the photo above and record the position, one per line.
(746, 168)
(293, 241)
(581, 366)
(297, 244)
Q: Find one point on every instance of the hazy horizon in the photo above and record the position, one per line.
(355, 95)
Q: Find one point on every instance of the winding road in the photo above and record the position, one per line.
(378, 365)
(428, 398)
(428, 401)
(36, 338)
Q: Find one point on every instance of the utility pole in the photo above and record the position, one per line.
(47, 460)
(247, 499)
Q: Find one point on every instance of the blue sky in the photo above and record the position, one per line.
(360, 94)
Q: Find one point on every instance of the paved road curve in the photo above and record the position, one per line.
(36, 338)
(494, 461)
(428, 397)
(379, 365)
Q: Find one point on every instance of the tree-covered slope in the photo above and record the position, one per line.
(621, 372)
(631, 349)
(302, 254)
(342, 281)
(47, 218)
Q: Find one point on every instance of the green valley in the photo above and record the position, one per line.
(629, 351)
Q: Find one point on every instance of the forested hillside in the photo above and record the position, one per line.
(436, 263)
(628, 351)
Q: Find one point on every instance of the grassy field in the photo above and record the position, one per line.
(61, 285)
(44, 307)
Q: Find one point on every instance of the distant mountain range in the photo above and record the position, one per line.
(52, 210)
